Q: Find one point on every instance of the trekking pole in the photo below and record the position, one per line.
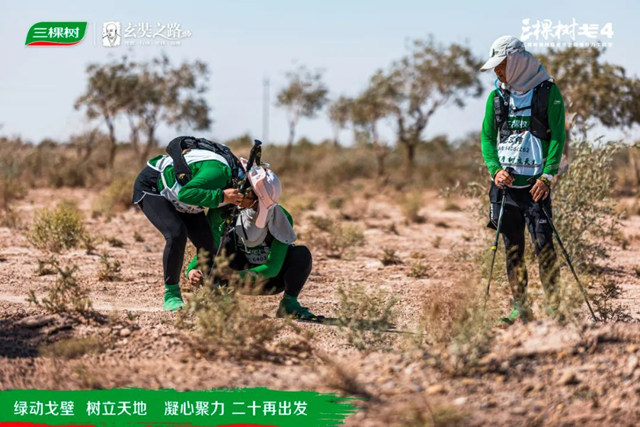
(494, 247)
(566, 257)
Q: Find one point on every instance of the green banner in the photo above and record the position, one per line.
(129, 407)
(56, 33)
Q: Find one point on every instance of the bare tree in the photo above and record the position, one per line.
(594, 91)
(107, 95)
(428, 78)
(304, 95)
(147, 94)
(366, 112)
(339, 112)
(166, 94)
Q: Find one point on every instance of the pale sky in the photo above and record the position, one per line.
(245, 42)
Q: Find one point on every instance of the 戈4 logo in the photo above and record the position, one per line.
(56, 33)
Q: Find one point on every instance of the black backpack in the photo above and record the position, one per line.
(539, 124)
(177, 147)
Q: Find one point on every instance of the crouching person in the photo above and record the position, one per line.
(261, 247)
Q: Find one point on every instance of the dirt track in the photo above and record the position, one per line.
(535, 374)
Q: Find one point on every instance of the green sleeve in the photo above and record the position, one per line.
(275, 259)
(205, 188)
(489, 138)
(555, 115)
(193, 264)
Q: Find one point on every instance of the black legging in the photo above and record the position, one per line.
(522, 212)
(176, 227)
(293, 274)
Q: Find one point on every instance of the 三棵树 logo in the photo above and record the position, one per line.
(56, 33)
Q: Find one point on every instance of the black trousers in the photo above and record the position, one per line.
(292, 276)
(522, 212)
(176, 227)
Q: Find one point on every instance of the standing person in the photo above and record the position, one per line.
(261, 246)
(177, 211)
(523, 129)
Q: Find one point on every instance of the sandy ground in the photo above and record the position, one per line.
(534, 374)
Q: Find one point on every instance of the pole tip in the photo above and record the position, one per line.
(494, 248)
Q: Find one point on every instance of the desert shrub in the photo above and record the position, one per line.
(322, 223)
(583, 208)
(457, 323)
(109, 269)
(89, 242)
(451, 206)
(389, 257)
(68, 172)
(336, 203)
(58, 228)
(418, 269)
(297, 204)
(11, 218)
(365, 315)
(411, 204)
(341, 240)
(223, 322)
(138, 237)
(115, 242)
(73, 348)
(607, 310)
(13, 186)
(115, 198)
(46, 266)
(66, 296)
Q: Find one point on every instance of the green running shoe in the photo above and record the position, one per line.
(291, 307)
(512, 317)
(172, 298)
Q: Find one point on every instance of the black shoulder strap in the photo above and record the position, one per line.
(501, 110)
(180, 167)
(178, 145)
(539, 126)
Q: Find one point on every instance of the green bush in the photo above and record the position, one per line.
(365, 315)
(67, 296)
(583, 208)
(115, 198)
(57, 229)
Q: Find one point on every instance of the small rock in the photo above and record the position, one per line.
(519, 410)
(460, 401)
(435, 389)
(568, 378)
(35, 322)
(492, 402)
(125, 332)
(632, 364)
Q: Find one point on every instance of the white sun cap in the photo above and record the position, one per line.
(500, 49)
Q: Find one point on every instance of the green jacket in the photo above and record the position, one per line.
(209, 179)
(275, 259)
(551, 149)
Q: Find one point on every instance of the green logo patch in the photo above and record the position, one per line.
(56, 33)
